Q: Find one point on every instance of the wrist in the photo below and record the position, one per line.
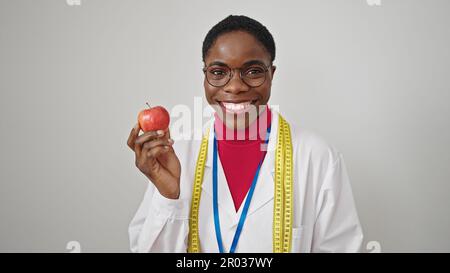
(173, 195)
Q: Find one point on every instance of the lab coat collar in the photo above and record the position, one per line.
(264, 188)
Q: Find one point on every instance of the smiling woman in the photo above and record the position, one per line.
(255, 182)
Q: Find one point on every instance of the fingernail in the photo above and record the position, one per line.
(160, 132)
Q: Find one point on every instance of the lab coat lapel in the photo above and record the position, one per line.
(224, 195)
(264, 190)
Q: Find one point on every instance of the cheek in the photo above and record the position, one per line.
(264, 91)
(209, 92)
(206, 86)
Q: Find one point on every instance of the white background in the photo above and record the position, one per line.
(373, 80)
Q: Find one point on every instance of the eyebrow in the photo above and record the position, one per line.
(219, 63)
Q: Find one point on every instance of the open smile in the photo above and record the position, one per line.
(237, 107)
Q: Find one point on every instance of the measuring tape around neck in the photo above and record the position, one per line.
(283, 198)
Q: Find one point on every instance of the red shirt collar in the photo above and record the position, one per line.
(256, 131)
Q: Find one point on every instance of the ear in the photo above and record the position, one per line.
(273, 70)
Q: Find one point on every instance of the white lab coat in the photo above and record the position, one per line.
(325, 217)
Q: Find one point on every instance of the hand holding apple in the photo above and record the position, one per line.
(155, 156)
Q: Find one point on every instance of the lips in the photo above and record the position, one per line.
(237, 107)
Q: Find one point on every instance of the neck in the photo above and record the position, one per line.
(255, 131)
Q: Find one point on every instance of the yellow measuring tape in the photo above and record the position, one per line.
(283, 199)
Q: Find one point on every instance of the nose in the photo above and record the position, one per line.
(236, 85)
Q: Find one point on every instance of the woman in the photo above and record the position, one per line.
(254, 182)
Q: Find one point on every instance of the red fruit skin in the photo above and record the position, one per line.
(155, 118)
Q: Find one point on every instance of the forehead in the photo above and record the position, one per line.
(235, 48)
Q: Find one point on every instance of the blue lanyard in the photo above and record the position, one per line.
(246, 205)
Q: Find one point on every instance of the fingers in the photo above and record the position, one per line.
(133, 135)
(157, 151)
(143, 144)
(155, 143)
(145, 137)
(152, 149)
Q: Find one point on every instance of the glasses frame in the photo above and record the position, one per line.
(231, 74)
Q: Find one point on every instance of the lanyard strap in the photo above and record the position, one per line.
(246, 205)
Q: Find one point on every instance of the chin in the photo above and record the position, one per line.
(238, 115)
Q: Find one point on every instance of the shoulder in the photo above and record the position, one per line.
(321, 162)
(311, 146)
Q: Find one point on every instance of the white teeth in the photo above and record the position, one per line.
(236, 106)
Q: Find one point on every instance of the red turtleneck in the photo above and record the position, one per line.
(240, 156)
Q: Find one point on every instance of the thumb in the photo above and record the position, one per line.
(166, 133)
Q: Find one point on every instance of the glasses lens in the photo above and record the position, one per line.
(254, 75)
(217, 75)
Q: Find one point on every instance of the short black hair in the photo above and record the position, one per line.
(243, 23)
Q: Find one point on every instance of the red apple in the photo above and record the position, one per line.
(154, 118)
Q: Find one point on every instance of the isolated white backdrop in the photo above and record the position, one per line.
(373, 80)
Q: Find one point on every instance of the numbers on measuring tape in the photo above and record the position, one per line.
(193, 238)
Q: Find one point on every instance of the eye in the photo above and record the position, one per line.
(217, 72)
(254, 71)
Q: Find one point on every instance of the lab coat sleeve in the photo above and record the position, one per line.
(160, 224)
(337, 227)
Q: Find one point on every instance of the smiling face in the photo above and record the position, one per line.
(237, 103)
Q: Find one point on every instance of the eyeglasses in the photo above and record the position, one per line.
(253, 74)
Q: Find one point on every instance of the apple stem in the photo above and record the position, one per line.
(148, 105)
